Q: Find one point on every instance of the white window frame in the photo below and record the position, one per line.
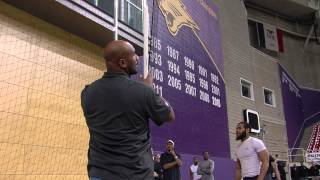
(273, 97)
(131, 5)
(251, 89)
(247, 111)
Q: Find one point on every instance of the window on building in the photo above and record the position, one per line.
(266, 37)
(106, 6)
(268, 97)
(131, 13)
(253, 34)
(246, 89)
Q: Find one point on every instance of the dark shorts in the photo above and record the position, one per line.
(250, 178)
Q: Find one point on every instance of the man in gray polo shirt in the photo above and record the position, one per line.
(117, 111)
(206, 167)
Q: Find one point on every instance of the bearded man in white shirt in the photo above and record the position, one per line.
(252, 155)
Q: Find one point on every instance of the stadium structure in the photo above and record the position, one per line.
(217, 62)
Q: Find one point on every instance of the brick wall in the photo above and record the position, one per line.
(243, 61)
(43, 69)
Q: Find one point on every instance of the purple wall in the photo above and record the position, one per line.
(201, 117)
(292, 104)
(197, 121)
(311, 106)
(301, 107)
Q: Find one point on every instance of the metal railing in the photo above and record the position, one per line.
(294, 155)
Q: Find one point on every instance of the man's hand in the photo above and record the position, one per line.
(177, 160)
(148, 80)
(173, 153)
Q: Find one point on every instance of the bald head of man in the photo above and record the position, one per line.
(120, 56)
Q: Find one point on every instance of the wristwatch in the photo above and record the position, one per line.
(166, 103)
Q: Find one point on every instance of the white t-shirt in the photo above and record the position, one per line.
(247, 153)
(194, 169)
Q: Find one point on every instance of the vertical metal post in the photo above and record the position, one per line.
(145, 38)
(116, 15)
(262, 132)
(289, 161)
(309, 36)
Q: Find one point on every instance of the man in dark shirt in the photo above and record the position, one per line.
(158, 173)
(295, 174)
(281, 165)
(117, 111)
(282, 171)
(313, 170)
(272, 169)
(303, 171)
(171, 163)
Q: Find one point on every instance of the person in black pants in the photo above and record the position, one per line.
(158, 175)
(281, 167)
(295, 173)
(313, 170)
(303, 171)
(282, 172)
